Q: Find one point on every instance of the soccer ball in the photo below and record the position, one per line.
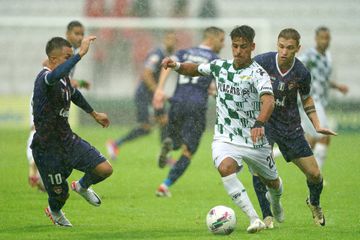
(221, 220)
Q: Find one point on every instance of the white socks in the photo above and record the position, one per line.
(275, 194)
(238, 194)
(320, 153)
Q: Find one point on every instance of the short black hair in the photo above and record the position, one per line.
(74, 24)
(290, 33)
(56, 43)
(212, 31)
(243, 31)
(321, 29)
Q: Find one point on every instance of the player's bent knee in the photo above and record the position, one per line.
(274, 184)
(314, 176)
(186, 152)
(227, 167)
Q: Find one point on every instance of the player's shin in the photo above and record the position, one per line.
(315, 190)
(275, 193)
(57, 202)
(179, 168)
(260, 190)
(237, 192)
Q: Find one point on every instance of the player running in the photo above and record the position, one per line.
(318, 61)
(187, 114)
(144, 95)
(244, 103)
(290, 77)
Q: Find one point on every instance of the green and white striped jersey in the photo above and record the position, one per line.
(320, 67)
(237, 100)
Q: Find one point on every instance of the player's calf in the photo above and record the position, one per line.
(165, 149)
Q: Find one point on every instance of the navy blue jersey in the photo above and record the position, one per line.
(52, 96)
(153, 62)
(193, 90)
(285, 120)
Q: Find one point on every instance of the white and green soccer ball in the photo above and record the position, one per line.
(221, 220)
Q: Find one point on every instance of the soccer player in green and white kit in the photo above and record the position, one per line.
(244, 103)
(318, 61)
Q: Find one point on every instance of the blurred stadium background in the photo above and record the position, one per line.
(128, 29)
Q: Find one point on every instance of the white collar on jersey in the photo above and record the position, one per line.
(47, 68)
(277, 66)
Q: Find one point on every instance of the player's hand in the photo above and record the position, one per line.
(168, 63)
(257, 133)
(343, 88)
(101, 118)
(158, 99)
(85, 44)
(84, 84)
(325, 131)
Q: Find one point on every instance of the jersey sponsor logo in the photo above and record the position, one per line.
(222, 87)
(64, 112)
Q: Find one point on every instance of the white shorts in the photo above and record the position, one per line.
(259, 160)
(308, 126)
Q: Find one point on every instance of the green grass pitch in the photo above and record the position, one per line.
(130, 209)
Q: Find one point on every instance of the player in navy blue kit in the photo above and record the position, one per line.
(187, 114)
(56, 149)
(144, 95)
(290, 77)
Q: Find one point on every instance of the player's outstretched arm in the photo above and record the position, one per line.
(267, 107)
(101, 118)
(85, 44)
(310, 111)
(80, 84)
(340, 87)
(159, 94)
(188, 69)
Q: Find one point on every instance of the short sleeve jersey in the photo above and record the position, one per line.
(320, 67)
(193, 90)
(285, 119)
(237, 100)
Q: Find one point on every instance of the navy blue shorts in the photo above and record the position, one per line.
(186, 126)
(143, 101)
(56, 166)
(290, 147)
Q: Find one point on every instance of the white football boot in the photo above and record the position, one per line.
(269, 222)
(88, 194)
(163, 191)
(58, 218)
(256, 226)
(317, 213)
